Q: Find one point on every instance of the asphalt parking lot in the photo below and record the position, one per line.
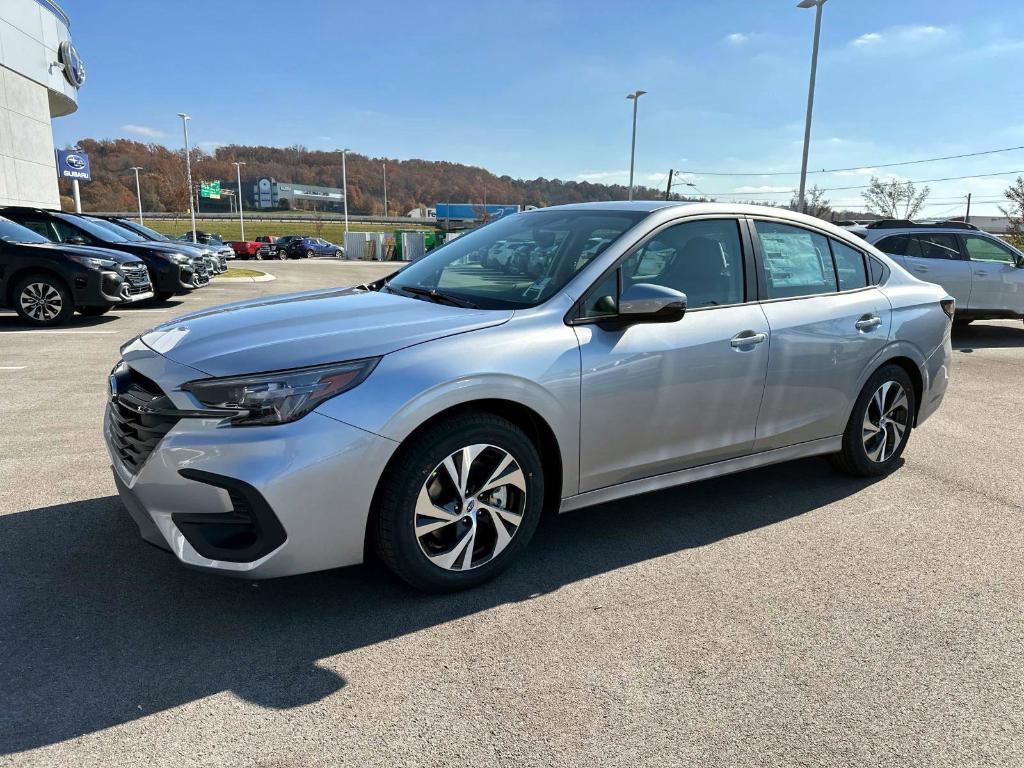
(788, 615)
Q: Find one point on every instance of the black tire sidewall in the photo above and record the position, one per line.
(67, 307)
(853, 442)
(397, 543)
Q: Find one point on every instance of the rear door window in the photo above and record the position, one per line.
(797, 262)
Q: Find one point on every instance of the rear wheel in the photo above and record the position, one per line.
(93, 311)
(282, 255)
(880, 424)
(459, 504)
(309, 254)
(43, 300)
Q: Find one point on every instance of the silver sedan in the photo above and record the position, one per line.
(431, 417)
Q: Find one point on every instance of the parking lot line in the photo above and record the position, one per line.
(12, 367)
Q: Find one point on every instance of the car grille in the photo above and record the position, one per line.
(140, 415)
(136, 279)
(201, 274)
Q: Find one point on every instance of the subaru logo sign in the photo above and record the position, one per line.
(74, 67)
(73, 164)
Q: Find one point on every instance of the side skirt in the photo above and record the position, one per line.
(704, 472)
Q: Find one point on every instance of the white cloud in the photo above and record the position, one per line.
(602, 177)
(142, 130)
(858, 172)
(763, 189)
(897, 39)
(737, 38)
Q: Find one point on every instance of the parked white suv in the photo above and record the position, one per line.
(984, 274)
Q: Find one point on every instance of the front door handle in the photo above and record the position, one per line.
(868, 322)
(747, 339)
(981, 273)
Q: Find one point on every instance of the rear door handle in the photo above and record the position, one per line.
(867, 323)
(748, 339)
(920, 269)
(980, 273)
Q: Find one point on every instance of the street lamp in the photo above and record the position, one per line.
(817, 6)
(188, 170)
(385, 167)
(138, 189)
(344, 183)
(241, 216)
(635, 98)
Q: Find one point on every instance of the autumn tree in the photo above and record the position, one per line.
(895, 199)
(815, 203)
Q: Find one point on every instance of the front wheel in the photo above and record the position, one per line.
(43, 300)
(93, 311)
(309, 254)
(282, 255)
(459, 503)
(879, 425)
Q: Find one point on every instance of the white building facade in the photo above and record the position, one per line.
(40, 74)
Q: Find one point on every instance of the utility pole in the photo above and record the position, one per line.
(967, 218)
(188, 170)
(635, 98)
(138, 189)
(241, 216)
(668, 187)
(816, 5)
(344, 183)
(385, 167)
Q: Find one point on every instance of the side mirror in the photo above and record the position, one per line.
(648, 303)
(77, 240)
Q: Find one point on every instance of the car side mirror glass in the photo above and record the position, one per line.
(648, 303)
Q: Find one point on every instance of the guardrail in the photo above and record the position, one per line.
(288, 217)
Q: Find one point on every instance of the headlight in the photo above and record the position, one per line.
(281, 396)
(180, 258)
(91, 261)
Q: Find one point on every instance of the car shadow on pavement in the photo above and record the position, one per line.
(99, 629)
(10, 323)
(988, 336)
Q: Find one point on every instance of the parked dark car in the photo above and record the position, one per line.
(215, 261)
(171, 269)
(46, 283)
(306, 246)
(210, 240)
(269, 247)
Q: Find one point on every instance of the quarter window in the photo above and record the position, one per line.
(797, 262)
(849, 266)
(702, 259)
(986, 249)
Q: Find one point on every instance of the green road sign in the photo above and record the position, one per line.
(209, 189)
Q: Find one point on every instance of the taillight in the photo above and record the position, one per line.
(949, 307)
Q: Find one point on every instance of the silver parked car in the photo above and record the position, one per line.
(983, 273)
(430, 417)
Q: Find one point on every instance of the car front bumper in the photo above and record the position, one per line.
(257, 502)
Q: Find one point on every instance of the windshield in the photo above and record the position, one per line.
(94, 229)
(517, 262)
(117, 229)
(152, 234)
(15, 233)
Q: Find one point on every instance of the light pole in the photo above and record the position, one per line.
(385, 167)
(344, 184)
(635, 98)
(241, 216)
(138, 190)
(817, 6)
(188, 171)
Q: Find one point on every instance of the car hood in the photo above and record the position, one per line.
(311, 328)
(120, 257)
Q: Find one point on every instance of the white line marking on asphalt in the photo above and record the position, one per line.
(12, 367)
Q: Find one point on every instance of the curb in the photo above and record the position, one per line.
(264, 278)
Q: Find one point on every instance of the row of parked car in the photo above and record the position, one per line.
(54, 264)
(285, 247)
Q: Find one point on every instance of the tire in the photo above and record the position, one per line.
(417, 472)
(43, 300)
(309, 254)
(163, 296)
(93, 311)
(282, 255)
(859, 444)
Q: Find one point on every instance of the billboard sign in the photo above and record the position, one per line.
(210, 189)
(472, 212)
(72, 164)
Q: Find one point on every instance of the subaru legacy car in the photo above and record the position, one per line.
(984, 274)
(430, 417)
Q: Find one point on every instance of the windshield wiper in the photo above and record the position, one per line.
(436, 295)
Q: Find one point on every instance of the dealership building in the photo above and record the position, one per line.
(40, 74)
(268, 192)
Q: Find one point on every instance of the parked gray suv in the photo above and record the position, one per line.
(983, 273)
(432, 416)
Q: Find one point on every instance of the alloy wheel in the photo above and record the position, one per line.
(885, 421)
(470, 507)
(41, 301)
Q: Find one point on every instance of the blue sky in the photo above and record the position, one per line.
(533, 88)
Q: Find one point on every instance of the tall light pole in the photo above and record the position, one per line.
(188, 171)
(241, 216)
(635, 98)
(344, 183)
(817, 6)
(138, 190)
(385, 167)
